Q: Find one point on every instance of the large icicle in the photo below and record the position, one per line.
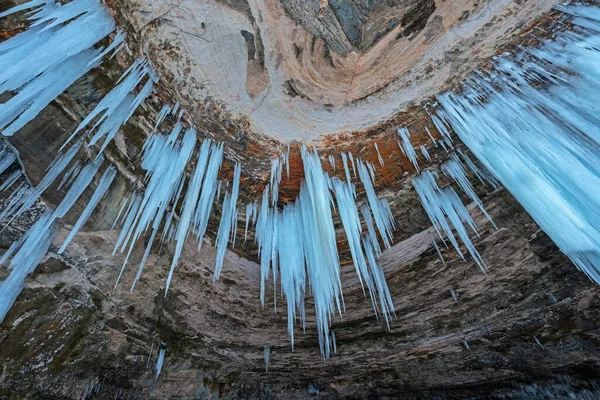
(453, 168)
(29, 196)
(32, 247)
(103, 186)
(381, 212)
(46, 59)
(299, 241)
(165, 158)
(547, 154)
(367, 267)
(119, 104)
(443, 205)
(228, 221)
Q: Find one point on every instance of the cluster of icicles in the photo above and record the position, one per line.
(531, 153)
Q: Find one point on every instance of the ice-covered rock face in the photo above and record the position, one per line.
(298, 69)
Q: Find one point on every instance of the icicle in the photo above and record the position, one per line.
(407, 147)
(7, 158)
(453, 168)
(538, 342)
(164, 159)
(267, 352)
(119, 104)
(425, 153)
(208, 193)
(345, 162)
(378, 154)
(250, 211)
(466, 344)
(105, 182)
(453, 294)
(228, 220)
(31, 195)
(160, 360)
(437, 249)
(546, 154)
(381, 214)
(276, 172)
(164, 111)
(334, 343)
(219, 190)
(352, 162)
(286, 161)
(43, 61)
(332, 161)
(190, 204)
(370, 274)
(150, 354)
(32, 247)
(70, 175)
(482, 173)
(445, 203)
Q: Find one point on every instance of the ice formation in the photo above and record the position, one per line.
(160, 359)
(103, 186)
(379, 207)
(56, 50)
(379, 158)
(447, 212)
(30, 250)
(547, 154)
(454, 168)
(165, 158)
(425, 152)
(119, 104)
(267, 354)
(407, 148)
(299, 243)
(227, 228)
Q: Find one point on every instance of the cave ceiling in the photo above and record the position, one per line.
(475, 283)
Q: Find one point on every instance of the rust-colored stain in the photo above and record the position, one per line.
(289, 188)
(4, 35)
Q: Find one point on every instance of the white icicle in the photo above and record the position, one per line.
(119, 104)
(547, 152)
(103, 186)
(160, 360)
(378, 154)
(443, 205)
(453, 168)
(43, 61)
(382, 215)
(32, 247)
(425, 152)
(228, 221)
(190, 204)
(332, 161)
(407, 147)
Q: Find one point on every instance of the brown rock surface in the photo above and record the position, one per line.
(256, 74)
